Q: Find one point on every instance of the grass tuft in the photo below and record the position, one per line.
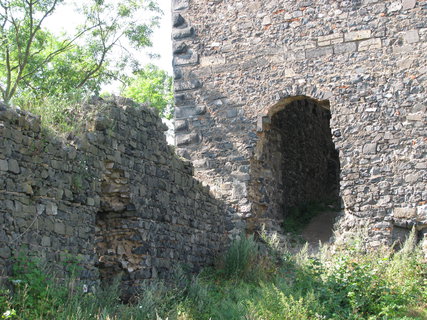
(251, 282)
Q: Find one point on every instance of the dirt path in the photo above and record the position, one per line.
(320, 228)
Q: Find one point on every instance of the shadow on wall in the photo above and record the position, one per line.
(295, 163)
(116, 197)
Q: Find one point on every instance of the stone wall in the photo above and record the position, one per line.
(115, 196)
(234, 60)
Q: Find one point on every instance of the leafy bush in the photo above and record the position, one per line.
(275, 304)
(152, 85)
(349, 284)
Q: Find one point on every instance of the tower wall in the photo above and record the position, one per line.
(235, 60)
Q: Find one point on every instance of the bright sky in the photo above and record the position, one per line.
(64, 19)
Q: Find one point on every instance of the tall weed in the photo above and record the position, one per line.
(341, 283)
(243, 260)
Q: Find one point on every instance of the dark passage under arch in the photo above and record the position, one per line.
(295, 164)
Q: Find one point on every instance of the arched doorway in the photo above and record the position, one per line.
(295, 166)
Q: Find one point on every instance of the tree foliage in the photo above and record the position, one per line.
(34, 61)
(153, 85)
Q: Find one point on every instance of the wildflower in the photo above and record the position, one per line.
(16, 281)
(8, 314)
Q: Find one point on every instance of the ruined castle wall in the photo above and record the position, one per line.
(235, 60)
(114, 197)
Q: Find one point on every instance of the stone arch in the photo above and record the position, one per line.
(295, 161)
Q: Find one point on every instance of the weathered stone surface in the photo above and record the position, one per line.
(116, 195)
(370, 148)
(405, 213)
(318, 52)
(13, 166)
(179, 34)
(370, 44)
(345, 47)
(4, 166)
(408, 4)
(411, 36)
(367, 58)
(357, 35)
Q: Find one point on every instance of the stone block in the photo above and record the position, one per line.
(183, 85)
(412, 178)
(330, 39)
(232, 113)
(411, 36)
(177, 20)
(46, 241)
(8, 114)
(178, 5)
(394, 6)
(181, 125)
(370, 148)
(370, 44)
(408, 4)
(403, 49)
(51, 209)
(180, 48)
(405, 213)
(206, 61)
(179, 34)
(13, 166)
(318, 52)
(422, 212)
(26, 188)
(4, 165)
(266, 21)
(289, 73)
(59, 228)
(345, 47)
(415, 117)
(189, 112)
(90, 201)
(357, 35)
(189, 58)
(186, 139)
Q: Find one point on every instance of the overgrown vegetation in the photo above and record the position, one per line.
(53, 75)
(151, 85)
(250, 282)
(36, 63)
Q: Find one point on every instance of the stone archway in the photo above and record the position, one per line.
(295, 162)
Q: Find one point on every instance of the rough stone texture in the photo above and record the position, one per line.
(367, 58)
(295, 163)
(116, 197)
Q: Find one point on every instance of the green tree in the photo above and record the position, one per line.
(152, 85)
(33, 59)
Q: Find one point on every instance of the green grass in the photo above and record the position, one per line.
(58, 114)
(250, 282)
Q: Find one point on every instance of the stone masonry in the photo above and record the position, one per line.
(293, 164)
(115, 197)
(234, 61)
